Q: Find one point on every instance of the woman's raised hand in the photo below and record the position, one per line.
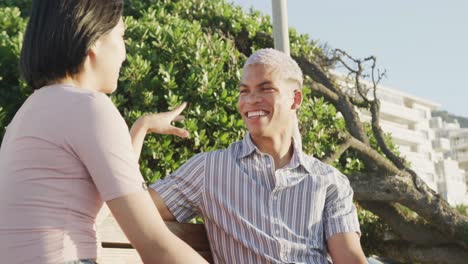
(161, 123)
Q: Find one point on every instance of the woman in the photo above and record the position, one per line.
(68, 149)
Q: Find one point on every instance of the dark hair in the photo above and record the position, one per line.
(59, 35)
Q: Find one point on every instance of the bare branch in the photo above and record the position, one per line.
(359, 103)
(342, 103)
(372, 154)
(338, 53)
(323, 91)
(356, 73)
(340, 149)
(379, 134)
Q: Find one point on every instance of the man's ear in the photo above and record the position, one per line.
(297, 99)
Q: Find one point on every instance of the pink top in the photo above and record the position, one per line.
(65, 152)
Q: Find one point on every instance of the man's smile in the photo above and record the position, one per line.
(256, 114)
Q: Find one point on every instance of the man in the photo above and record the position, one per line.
(262, 199)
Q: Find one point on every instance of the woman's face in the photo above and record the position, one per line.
(109, 55)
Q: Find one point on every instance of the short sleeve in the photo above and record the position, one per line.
(340, 214)
(100, 138)
(182, 190)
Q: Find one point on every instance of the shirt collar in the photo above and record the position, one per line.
(298, 158)
(247, 147)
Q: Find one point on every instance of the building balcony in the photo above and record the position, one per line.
(462, 157)
(460, 144)
(441, 144)
(421, 162)
(462, 160)
(400, 113)
(404, 136)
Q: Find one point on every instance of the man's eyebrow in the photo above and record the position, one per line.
(260, 84)
(265, 83)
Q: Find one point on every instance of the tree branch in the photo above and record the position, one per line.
(414, 230)
(340, 149)
(371, 154)
(409, 253)
(436, 211)
(329, 95)
(342, 104)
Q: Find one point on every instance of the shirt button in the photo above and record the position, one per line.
(277, 232)
(275, 197)
(268, 165)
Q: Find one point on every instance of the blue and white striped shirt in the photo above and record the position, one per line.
(254, 214)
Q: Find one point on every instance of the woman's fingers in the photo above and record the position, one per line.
(179, 118)
(176, 111)
(180, 132)
(161, 123)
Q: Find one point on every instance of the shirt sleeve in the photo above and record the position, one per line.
(100, 138)
(340, 214)
(182, 190)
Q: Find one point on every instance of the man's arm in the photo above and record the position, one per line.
(178, 196)
(162, 207)
(341, 222)
(346, 248)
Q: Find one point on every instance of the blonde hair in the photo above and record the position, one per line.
(280, 61)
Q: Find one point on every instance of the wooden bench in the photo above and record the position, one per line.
(117, 250)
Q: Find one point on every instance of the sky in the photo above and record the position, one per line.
(422, 44)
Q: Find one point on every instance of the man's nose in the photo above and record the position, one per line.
(254, 98)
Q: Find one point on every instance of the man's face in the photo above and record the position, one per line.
(267, 103)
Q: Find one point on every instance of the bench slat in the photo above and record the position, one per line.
(115, 244)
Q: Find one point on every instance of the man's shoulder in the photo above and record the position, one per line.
(232, 150)
(318, 168)
(315, 165)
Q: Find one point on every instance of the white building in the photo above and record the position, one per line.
(451, 181)
(454, 172)
(408, 120)
(459, 141)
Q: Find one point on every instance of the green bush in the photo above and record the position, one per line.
(23, 5)
(171, 60)
(372, 231)
(13, 91)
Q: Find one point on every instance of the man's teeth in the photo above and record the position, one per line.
(256, 113)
